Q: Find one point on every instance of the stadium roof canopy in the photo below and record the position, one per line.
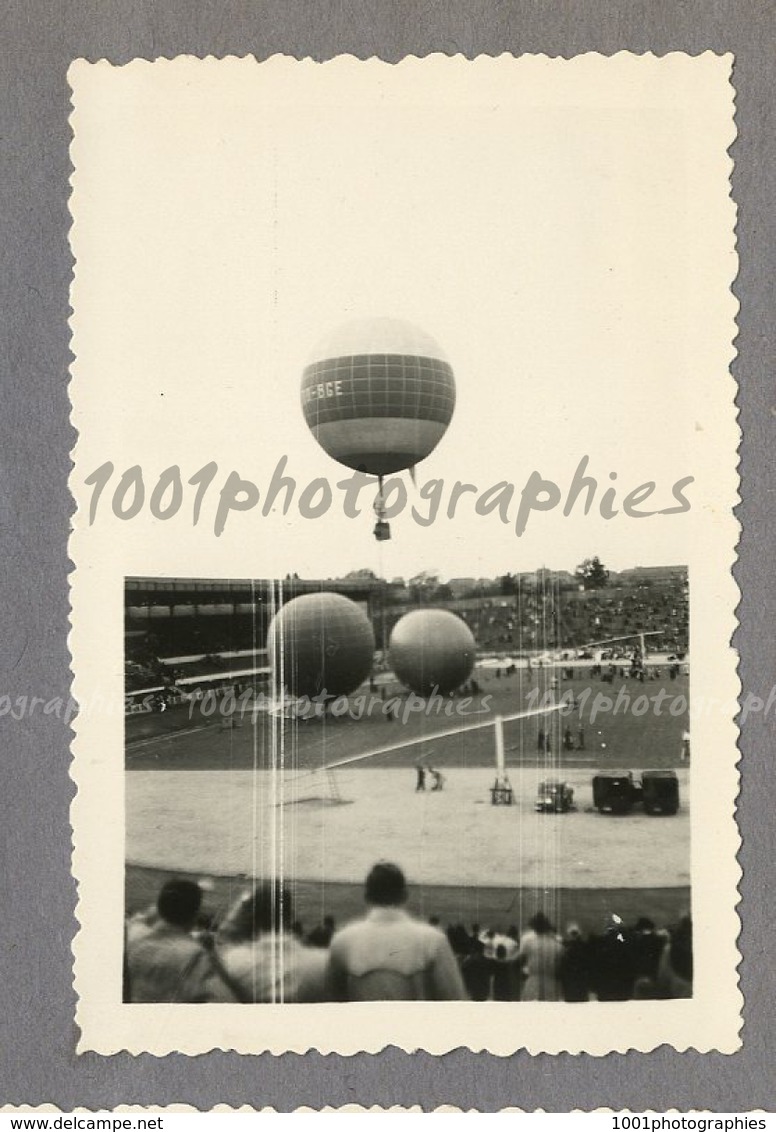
(155, 591)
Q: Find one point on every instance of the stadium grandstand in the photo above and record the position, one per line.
(195, 634)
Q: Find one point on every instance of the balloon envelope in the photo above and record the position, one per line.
(378, 395)
(432, 648)
(320, 643)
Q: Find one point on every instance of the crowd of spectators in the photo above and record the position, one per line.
(144, 669)
(147, 672)
(609, 612)
(528, 621)
(538, 620)
(540, 964)
(259, 953)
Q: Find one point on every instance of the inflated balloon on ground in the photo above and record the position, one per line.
(432, 649)
(320, 643)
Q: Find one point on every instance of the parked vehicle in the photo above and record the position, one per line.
(554, 797)
(614, 792)
(660, 792)
(617, 792)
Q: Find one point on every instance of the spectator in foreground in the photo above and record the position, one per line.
(574, 966)
(647, 947)
(613, 963)
(260, 959)
(540, 954)
(506, 976)
(164, 963)
(321, 936)
(477, 972)
(674, 976)
(389, 955)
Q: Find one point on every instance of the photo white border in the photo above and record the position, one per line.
(711, 1020)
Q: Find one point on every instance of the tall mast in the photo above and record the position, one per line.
(500, 766)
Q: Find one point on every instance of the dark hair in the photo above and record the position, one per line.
(540, 924)
(179, 902)
(268, 909)
(385, 885)
(680, 954)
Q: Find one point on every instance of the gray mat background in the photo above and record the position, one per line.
(37, 1035)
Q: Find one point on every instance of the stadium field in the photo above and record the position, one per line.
(332, 828)
(230, 803)
(184, 738)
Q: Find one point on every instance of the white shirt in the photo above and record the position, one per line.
(389, 955)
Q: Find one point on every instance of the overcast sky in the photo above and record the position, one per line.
(554, 232)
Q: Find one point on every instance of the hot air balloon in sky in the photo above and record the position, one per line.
(378, 395)
(432, 649)
(320, 643)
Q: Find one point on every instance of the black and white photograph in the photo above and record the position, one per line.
(474, 805)
(403, 598)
